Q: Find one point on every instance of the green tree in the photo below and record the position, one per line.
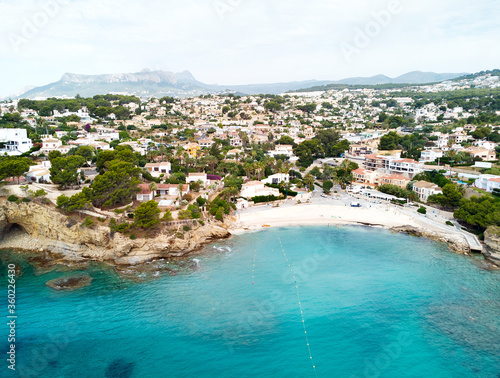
(147, 214)
(309, 182)
(389, 141)
(79, 201)
(307, 152)
(343, 172)
(232, 181)
(86, 152)
(14, 167)
(167, 217)
(327, 140)
(285, 139)
(327, 186)
(308, 108)
(64, 170)
(54, 154)
(452, 195)
(339, 148)
(117, 185)
(272, 106)
(479, 212)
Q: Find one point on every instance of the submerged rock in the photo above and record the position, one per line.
(119, 368)
(70, 282)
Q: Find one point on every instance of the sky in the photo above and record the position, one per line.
(244, 41)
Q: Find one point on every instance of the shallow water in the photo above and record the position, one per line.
(373, 304)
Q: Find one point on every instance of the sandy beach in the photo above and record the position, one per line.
(335, 214)
(319, 214)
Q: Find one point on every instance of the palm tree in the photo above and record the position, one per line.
(261, 166)
(180, 187)
(211, 161)
(309, 181)
(179, 153)
(248, 167)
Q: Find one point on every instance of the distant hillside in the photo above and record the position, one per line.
(385, 82)
(478, 74)
(149, 83)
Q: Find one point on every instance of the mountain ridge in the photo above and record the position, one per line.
(158, 83)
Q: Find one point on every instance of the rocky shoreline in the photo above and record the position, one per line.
(457, 245)
(41, 228)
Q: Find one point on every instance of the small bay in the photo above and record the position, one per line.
(284, 302)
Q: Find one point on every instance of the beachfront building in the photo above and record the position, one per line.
(394, 179)
(424, 189)
(375, 162)
(488, 182)
(393, 165)
(364, 176)
(158, 169)
(407, 167)
(257, 188)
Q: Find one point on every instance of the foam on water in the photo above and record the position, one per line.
(372, 304)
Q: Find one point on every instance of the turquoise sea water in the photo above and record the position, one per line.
(374, 304)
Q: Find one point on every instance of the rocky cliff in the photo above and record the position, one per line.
(37, 227)
(492, 243)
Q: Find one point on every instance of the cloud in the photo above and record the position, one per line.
(242, 41)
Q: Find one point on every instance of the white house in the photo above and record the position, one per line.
(198, 176)
(156, 169)
(241, 203)
(236, 142)
(146, 194)
(16, 141)
(207, 143)
(233, 152)
(424, 189)
(282, 149)
(488, 182)
(430, 155)
(277, 178)
(39, 172)
(484, 154)
(50, 144)
(171, 189)
(257, 188)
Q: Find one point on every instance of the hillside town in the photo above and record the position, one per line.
(434, 145)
